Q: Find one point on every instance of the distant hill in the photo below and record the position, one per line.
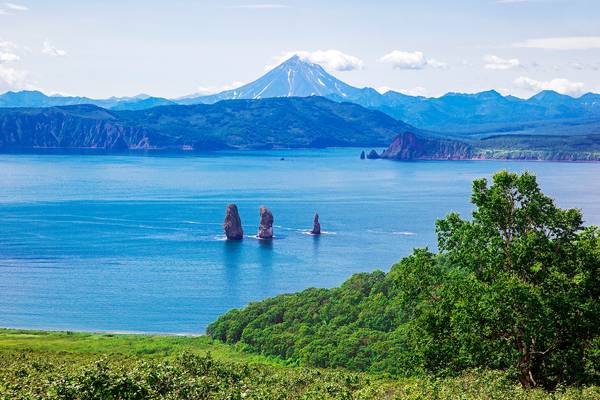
(311, 122)
(489, 111)
(34, 98)
(142, 104)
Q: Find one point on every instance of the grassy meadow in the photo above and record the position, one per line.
(67, 365)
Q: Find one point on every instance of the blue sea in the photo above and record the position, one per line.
(135, 243)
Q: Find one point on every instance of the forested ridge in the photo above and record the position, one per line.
(514, 288)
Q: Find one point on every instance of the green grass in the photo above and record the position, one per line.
(121, 344)
(86, 366)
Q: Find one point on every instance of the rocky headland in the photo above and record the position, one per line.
(408, 146)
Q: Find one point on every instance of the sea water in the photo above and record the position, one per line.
(134, 243)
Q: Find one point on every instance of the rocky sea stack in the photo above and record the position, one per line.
(232, 224)
(316, 230)
(373, 155)
(265, 229)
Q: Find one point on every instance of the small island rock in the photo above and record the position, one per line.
(316, 230)
(373, 155)
(232, 224)
(265, 229)
(362, 155)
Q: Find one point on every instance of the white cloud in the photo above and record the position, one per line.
(51, 50)
(559, 85)
(405, 60)
(7, 52)
(562, 43)
(8, 57)
(207, 90)
(12, 79)
(333, 60)
(6, 45)
(577, 65)
(384, 89)
(498, 63)
(416, 91)
(411, 60)
(432, 62)
(260, 6)
(16, 7)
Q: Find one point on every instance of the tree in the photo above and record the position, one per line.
(535, 270)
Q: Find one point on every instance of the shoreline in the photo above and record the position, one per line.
(104, 332)
(178, 153)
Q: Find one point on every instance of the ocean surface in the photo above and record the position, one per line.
(135, 243)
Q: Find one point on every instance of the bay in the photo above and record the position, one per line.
(135, 243)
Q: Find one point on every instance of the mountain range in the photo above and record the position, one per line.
(34, 98)
(455, 114)
(299, 104)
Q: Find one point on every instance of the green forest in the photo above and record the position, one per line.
(515, 288)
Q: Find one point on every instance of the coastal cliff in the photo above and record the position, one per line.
(408, 146)
(83, 126)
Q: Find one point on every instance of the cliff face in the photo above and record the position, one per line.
(408, 146)
(79, 127)
(538, 155)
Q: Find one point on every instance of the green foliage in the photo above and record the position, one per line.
(87, 376)
(516, 288)
(530, 299)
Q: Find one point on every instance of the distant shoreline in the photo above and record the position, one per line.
(104, 332)
(86, 151)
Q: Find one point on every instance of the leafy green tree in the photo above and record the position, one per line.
(533, 279)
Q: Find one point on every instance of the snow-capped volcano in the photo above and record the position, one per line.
(293, 78)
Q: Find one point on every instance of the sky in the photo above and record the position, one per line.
(181, 47)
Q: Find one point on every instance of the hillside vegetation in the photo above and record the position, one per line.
(310, 122)
(515, 289)
(54, 365)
